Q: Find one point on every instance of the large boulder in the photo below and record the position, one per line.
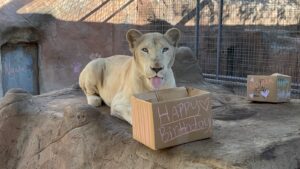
(59, 130)
(186, 67)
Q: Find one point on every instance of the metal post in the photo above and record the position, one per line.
(219, 40)
(197, 29)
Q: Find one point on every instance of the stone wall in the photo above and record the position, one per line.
(65, 47)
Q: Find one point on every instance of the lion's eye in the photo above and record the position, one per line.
(145, 50)
(165, 49)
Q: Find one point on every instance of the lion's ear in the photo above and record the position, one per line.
(173, 35)
(132, 36)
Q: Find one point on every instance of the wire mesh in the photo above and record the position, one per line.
(259, 37)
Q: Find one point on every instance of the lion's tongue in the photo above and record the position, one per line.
(156, 82)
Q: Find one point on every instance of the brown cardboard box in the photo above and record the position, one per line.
(275, 88)
(170, 117)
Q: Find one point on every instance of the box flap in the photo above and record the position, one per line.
(278, 74)
(171, 94)
(194, 92)
(150, 97)
(163, 95)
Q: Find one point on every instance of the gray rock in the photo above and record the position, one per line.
(186, 67)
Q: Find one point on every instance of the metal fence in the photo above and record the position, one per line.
(232, 38)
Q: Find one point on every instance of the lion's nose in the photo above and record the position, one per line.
(156, 69)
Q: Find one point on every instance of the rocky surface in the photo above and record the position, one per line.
(58, 130)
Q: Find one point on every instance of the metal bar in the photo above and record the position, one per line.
(94, 10)
(197, 28)
(229, 78)
(213, 76)
(224, 82)
(219, 40)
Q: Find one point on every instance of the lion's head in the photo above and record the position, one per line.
(154, 54)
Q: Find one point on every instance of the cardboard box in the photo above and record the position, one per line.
(170, 117)
(275, 88)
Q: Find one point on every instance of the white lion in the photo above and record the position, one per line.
(115, 79)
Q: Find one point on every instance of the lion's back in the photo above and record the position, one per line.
(102, 73)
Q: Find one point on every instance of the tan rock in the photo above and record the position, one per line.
(58, 130)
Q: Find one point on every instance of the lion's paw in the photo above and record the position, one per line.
(94, 101)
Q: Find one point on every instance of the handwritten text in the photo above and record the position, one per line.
(183, 118)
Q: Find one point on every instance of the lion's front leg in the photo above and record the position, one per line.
(121, 108)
